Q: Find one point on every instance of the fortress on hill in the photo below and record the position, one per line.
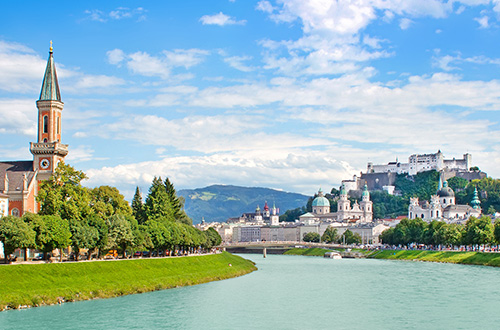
(383, 177)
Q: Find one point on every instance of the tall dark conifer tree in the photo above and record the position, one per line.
(138, 207)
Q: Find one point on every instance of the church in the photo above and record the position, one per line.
(19, 180)
(357, 213)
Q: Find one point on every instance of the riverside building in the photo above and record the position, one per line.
(19, 180)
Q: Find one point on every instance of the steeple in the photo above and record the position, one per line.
(475, 200)
(50, 86)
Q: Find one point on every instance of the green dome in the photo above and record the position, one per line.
(320, 201)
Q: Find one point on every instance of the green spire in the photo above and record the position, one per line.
(365, 191)
(475, 200)
(342, 190)
(50, 86)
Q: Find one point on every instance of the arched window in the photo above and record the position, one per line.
(432, 214)
(411, 215)
(45, 124)
(422, 215)
(437, 214)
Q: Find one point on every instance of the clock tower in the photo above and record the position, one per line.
(49, 150)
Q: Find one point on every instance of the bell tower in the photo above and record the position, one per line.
(48, 150)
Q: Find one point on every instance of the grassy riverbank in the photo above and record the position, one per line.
(317, 252)
(456, 257)
(39, 284)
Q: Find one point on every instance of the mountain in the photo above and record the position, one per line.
(220, 202)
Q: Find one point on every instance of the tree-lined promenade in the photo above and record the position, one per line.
(100, 220)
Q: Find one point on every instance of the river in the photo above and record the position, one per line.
(295, 292)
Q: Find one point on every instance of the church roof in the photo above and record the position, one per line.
(446, 191)
(50, 86)
(15, 173)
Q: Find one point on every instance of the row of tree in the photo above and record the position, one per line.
(100, 219)
(331, 236)
(476, 231)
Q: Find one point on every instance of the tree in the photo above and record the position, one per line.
(14, 234)
(120, 234)
(292, 215)
(176, 203)
(387, 236)
(496, 231)
(106, 201)
(63, 195)
(348, 237)
(432, 235)
(311, 237)
(138, 207)
(213, 238)
(451, 234)
(100, 243)
(330, 235)
(51, 232)
(478, 231)
(158, 202)
(83, 236)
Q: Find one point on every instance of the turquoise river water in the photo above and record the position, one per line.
(294, 292)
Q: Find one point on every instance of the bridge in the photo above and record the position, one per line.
(281, 247)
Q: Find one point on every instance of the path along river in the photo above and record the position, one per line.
(295, 292)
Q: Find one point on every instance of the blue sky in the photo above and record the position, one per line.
(287, 94)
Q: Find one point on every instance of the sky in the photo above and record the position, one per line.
(289, 94)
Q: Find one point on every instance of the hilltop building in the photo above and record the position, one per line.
(267, 216)
(19, 180)
(442, 207)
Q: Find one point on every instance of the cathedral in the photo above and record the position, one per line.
(357, 213)
(19, 180)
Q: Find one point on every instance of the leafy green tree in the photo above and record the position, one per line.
(106, 201)
(138, 207)
(63, 195)
(158, 234)
(120, 233)
(15, 233)
(100, 243)
(457, 184)
(292, 215)
(52, 232)
(478, 231)
(422, 185)
(387, 236)
(385, 205)
(311, 237)
(496, 231)
(213, 238)
(348, 237)
(413, 231)
(451, 234)
(330, 235)
(432, 235)
(491, 210)
(83, 236)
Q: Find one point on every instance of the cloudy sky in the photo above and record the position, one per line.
(286, 94)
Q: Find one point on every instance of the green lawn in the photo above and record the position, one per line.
(457, 257)
(307, 252)
(39, 284)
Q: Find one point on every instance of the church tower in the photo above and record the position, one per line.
(366, 206)
(48, 150)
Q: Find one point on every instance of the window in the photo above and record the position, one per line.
(15, 212)
(45, 124)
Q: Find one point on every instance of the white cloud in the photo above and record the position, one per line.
(220, 19)
(161, 66)
(117, 14)
(265, 6)
(237, 63)
(405, 23)
(115, 56)
(17, 116)
(483, 21)
(80, 153)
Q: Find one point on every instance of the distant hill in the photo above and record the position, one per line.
(220, 202)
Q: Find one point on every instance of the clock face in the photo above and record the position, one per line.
(44, 164)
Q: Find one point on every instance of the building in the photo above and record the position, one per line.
(4, 211)
(267, 216)
(19, 180)
(442, 207)
(362, 212)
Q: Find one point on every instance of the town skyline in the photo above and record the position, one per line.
(288, 95)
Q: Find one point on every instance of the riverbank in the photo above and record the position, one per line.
(315, 252)
(25, 286)
(456, 257)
